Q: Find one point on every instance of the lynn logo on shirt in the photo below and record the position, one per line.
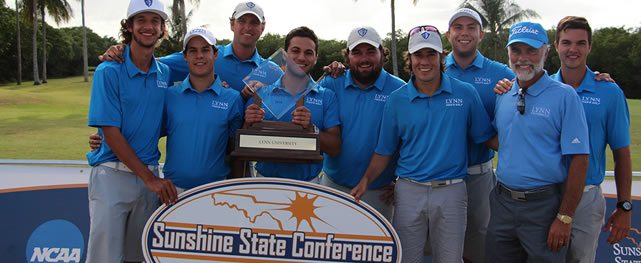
(161, 84)
(314, 101)
(381, 97)
(591, 100)
(540, 111)
(482, 80)
(219, 105)
(454, 102)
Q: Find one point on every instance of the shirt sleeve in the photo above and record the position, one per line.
(618, 121)
(389, 135)
(574, 127)
(104, 106)
(331, 109)
(178, 66)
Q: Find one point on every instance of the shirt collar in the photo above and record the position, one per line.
(378, 84)
(216, 87)
(229, 52)
(132, 70)
(478, 61)
(413, 93)
(536, 88)
(587, 84)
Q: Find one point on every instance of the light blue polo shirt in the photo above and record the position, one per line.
(433, 131)
(228, 67)
(198, 127)
(483, 74)
(323, 106)
(360, 114)
(606, 111)
(535, 148)
(123, 96)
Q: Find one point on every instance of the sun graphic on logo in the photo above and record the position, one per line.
(303, 209)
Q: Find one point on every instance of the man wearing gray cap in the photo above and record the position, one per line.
(543, 150)
(126, 106)
(467, 64)
(361, 92)
(428, 122)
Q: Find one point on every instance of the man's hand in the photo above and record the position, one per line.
(254, 114)
(503, 86)
(360, 189)
(603, 77)
(113, 53)
(618, 225)
(164, 188)
(558, 235)
(95, 141)
(388, 194)
(334, 69)
(302, 116)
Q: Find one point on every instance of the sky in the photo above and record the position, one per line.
(333, 19)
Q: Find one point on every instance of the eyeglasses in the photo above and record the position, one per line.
(520, 104)
(419, 29)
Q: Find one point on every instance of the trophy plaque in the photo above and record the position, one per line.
(279, 86)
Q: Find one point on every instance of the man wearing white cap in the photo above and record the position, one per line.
(201, 117)
(361, 92)
(126, 106)
(428, 122)
(467, 64)
(543, 157)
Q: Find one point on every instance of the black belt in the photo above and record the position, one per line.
(529, 195)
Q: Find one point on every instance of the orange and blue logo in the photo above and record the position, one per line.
(268, 220)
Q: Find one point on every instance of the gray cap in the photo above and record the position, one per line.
(364, 34)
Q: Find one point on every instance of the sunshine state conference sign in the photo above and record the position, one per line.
(268, 220)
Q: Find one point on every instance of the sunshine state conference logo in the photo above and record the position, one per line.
(268, 220)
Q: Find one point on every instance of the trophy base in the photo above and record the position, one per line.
(277, 142)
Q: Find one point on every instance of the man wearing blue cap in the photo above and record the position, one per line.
(543, 150)
(126, 106)
(361, 92)
(429, 122)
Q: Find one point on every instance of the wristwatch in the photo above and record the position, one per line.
(625, 205)
(565, 219)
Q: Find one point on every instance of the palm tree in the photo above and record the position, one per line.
(61, 11)
(85, 64)
(19, 44)
(180, 18)
(33, 17)
(497, 16)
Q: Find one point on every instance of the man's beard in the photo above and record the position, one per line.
(143, 44)
(367, 77)
(527, 76)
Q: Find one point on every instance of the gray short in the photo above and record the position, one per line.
(371, 197)
(119, 207)
(436, 213)
(586, 226)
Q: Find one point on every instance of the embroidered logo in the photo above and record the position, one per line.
(482, 80)
(149, 2)
(161, 84)
(219, 104)
(425, 35)
(455, 102)
(540, 111)
(591, 100)
(576, 141)
(314, 101)
(362, 32)
(381, 97)
(250, 4)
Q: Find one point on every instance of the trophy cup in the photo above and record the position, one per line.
(279, 86)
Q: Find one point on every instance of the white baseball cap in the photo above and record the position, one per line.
(466, 12)
(424, 37)
(364, 34)
(140, 6)
(199, 32)
(249, 8)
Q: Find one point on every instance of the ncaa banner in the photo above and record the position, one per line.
(268, 220)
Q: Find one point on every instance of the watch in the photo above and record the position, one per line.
(625, 205)
(565, 219)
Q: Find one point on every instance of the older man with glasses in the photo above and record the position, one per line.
(429, 122)
(543, 150)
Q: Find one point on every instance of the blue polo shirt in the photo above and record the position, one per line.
(360, 114)
(228, 67)
(433, 131)
(198, 127)
(123, 96)
(535, 148)
(483, 74)
(606, 111)
(323, 106)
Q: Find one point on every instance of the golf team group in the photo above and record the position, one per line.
(418, 151)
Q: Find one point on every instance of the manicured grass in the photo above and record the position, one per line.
(50, 122)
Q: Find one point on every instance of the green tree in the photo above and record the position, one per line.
(60, 11)
(497, 17)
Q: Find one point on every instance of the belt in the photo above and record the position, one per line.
(123, 168)
(480, 168)
(529, 195)
(589, 187)
(435, 184)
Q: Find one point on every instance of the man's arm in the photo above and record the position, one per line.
(330, 141)
(493, 143)
(559, 233)
(119, 145)
(375, 168)
(619, 222)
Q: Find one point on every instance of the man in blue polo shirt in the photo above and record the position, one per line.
(126, 106)
(429, 122)
(320, 108)
(467, 64)
(235, 60)
(543, 150)
(361, 92)
(201, 117)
